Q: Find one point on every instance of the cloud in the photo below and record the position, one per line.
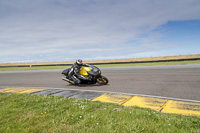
(87, 28)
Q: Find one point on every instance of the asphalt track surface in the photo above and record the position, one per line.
(175, 81)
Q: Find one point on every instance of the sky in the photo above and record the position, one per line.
(66, 30)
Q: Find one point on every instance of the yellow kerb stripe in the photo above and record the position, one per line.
(181, 107)
(112, 98)
(31, 90)
(6, 89)
(146, 102)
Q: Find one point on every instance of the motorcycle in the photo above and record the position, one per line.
(93, 72)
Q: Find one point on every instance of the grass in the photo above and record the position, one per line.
(32, 68)
(153, 64)
(107, 65)
(32, 113)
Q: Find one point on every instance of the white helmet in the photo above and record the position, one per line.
(79, 62)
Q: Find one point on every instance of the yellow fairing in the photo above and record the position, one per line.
(84, 71)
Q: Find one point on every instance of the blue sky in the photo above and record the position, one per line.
(64, 30)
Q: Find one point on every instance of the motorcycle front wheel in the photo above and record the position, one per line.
(102, 81)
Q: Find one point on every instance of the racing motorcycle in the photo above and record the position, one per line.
(92, 71)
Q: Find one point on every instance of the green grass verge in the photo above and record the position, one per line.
(153, 64)
(32, 113)
(32, 68)
(108, 65)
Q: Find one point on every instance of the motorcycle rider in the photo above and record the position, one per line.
(74, 72)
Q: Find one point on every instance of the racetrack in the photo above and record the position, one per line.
(178, 81)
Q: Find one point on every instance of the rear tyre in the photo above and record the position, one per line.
(102, 81)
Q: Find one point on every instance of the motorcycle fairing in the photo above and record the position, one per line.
(84, 71)
(65, 72)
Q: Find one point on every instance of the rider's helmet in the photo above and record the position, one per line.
(79, 62)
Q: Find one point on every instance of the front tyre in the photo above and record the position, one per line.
(102, 80)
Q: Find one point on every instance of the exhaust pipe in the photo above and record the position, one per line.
(65, 79)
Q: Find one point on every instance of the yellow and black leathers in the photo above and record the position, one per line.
(74, 73)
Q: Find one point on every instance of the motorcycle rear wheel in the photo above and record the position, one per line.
(102, 81)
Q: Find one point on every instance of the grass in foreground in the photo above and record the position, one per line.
(108, 65)
(32, 113)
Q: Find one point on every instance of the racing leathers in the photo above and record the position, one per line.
(75, 75)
